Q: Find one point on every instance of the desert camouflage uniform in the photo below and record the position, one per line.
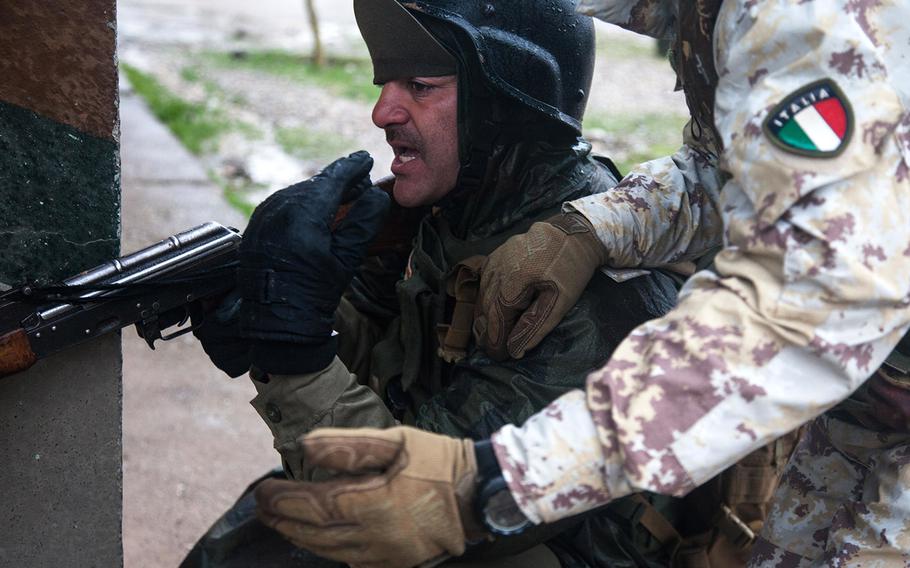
(807, 299)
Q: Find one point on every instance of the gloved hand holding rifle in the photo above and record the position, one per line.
(156, 288)
(296, 259)
(295, 265)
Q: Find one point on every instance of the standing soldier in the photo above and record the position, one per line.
(808, 104)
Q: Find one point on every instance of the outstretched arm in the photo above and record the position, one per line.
(810, 292)
(665, 212)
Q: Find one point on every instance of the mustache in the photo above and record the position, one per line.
(405, 136)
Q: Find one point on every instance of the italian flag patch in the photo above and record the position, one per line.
(814, 121)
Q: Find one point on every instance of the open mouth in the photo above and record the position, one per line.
(405, 154)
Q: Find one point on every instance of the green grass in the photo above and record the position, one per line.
(235, 193)
(236, 200)
(190, 74)
(193, 74)
(351, 78)
(614, 48)
(307, 144)
(194, 124)
(661, 135)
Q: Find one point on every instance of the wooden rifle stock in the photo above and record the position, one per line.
(400, 226)
(15, 353)
(155, 288)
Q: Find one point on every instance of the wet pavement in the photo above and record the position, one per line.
(191, 441)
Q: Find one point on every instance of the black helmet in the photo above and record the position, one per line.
(537, 52)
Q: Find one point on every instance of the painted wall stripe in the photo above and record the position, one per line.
(817, 129)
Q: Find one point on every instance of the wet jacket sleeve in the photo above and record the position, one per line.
(809, 295)
(665, 211)
(293, 405)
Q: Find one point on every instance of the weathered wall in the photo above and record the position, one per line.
(60, 484)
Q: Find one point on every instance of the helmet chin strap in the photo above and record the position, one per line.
(473, 171)
(477, 136)
(487, 119)
(479, 149)
(484, 135)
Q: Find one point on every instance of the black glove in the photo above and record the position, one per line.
(294, 267)
(219, 334)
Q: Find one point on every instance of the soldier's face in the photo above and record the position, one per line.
(419, 116)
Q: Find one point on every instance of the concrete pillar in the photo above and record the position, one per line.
(60, 483)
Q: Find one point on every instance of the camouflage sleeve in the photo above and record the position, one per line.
(653, 18)
(810, 292)
(665, 211)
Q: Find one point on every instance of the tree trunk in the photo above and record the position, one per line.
(318, 53)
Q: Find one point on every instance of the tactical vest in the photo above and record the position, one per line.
(434, 327)
(436, 296)
(719, 520)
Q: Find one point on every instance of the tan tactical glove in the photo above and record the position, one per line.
(406, 498)
(529, 283)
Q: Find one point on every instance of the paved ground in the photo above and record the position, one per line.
(191, 441)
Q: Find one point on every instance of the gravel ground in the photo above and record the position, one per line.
(630, 79)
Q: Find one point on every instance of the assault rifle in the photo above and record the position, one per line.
(158, 287)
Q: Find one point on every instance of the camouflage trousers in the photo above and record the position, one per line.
(844, 500)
